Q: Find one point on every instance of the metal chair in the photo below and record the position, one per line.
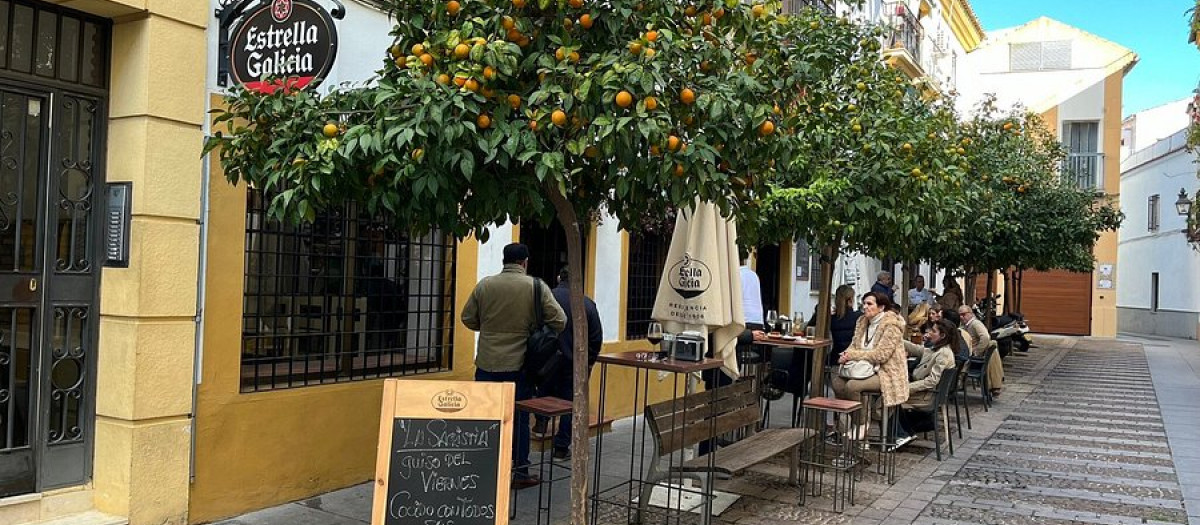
(937, 410)
(977, 374)
(960, 389)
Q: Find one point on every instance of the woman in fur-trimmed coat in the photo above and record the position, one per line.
(879, 340)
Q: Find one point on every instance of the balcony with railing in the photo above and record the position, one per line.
(1084, 170)
(795, 6)
(904, 42)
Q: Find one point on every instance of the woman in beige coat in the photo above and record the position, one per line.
(879, 340)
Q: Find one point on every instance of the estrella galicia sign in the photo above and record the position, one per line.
(690, 277)
(283, 43)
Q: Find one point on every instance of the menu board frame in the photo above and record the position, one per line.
(444, 400)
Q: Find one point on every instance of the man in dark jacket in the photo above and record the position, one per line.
(563, 385)
(883, 285)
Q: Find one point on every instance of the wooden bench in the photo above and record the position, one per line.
(681, 423)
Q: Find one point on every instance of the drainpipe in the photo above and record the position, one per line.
(201, 288)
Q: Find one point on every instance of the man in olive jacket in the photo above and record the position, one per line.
(501, 310)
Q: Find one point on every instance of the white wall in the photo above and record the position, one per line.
(1157, 123)
(608, 276)
(1142, 252)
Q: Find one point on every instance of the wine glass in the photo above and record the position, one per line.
(654, 334)
(772, 318)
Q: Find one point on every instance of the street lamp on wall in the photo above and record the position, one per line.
(1183, 206)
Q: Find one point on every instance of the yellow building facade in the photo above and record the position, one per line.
(101, 356)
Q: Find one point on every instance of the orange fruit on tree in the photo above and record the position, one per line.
(673, 143)
(427, 59)
(1008, 126)
(489, 72)
(418, 49)
(751, 58)
(690, 10)
(651, 103)
(514, 101)
(443, 79)
(330, 130)
(654, 150)
(651, 35)
(591, 151)
(401, 62)
(524, 41)
(519, 4)
(586, 21)
(720, 12)
(461, 51)
(679, 170)
(533, 125)
(559, 118)
(483, 121)
(706, 19)
(418, 153)
(471, 84)
(624, 99)
(573, 56)
(513, 35)
(635, 48)
(453, 7)
(757, 10)
(561, 54)
(395, 51)
(575, 3)
(650, 53)
(687, 96)
(487, 92)
(460, 81)
(766, 128)
(508, 23)
(567, 23)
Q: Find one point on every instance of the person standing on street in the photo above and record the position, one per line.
(883, 285)
(562, 385)
(501, 310)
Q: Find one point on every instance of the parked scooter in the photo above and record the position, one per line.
(1009, 331)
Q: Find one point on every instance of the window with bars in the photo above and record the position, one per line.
(818, 275)
(46, 42)
(348, 297)
(1152, 214)
(647, 258)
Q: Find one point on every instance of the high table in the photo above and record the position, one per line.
(644, 364)
(818, 348)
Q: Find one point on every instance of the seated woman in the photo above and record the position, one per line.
(936, 359)
(878, 340)
(842, 323)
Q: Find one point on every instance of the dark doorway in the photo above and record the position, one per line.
(767, 268)
(548, 250)
(53, 74)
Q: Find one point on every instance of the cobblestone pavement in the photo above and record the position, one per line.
(1087, 446)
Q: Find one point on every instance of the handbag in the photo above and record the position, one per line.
(857, 369)
(543, 357)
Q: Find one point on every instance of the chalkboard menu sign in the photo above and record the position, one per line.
(445, 451)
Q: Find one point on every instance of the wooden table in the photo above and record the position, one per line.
(643, 368)
(818, 347)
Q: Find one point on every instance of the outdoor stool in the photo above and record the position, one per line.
(552, 408)
(837, 454)
(885, 439)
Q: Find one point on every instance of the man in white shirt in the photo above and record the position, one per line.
(752, 306)
(920, 294)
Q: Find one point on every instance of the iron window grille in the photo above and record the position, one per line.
(647, 259)
(348, 297)
(1152, 214)
(45, 43)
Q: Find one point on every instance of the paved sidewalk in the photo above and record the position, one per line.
(1077, 437)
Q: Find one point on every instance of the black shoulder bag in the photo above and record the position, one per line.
(542, 356)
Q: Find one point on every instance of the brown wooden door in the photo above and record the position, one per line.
(1057, 302)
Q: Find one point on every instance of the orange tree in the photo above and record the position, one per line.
(1022, 213)
(486, 110)
(881, 166)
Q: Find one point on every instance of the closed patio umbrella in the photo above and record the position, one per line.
(700, 288)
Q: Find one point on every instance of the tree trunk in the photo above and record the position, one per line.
(829, 254)
(580, 416)
(968, 297)
(906, 278)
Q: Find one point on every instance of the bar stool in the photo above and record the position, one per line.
(837, 455)
(552, 408)
(885, 438)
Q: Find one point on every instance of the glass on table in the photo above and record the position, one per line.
(654, 334)
(771, 319)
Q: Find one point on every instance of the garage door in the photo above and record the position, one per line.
(1058, 302)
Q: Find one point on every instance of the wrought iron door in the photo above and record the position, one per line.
(49, 269)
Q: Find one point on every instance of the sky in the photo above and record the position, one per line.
(1168, 68)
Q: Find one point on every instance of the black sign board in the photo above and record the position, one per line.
(445, 453)
(443, 471)
(271, 44)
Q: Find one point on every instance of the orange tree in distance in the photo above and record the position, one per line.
(486, 110)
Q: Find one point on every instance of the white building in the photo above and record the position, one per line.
(1159, 272)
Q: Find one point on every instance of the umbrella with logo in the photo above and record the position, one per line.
(700, 288)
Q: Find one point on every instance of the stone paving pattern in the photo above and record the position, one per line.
(1076, 438)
